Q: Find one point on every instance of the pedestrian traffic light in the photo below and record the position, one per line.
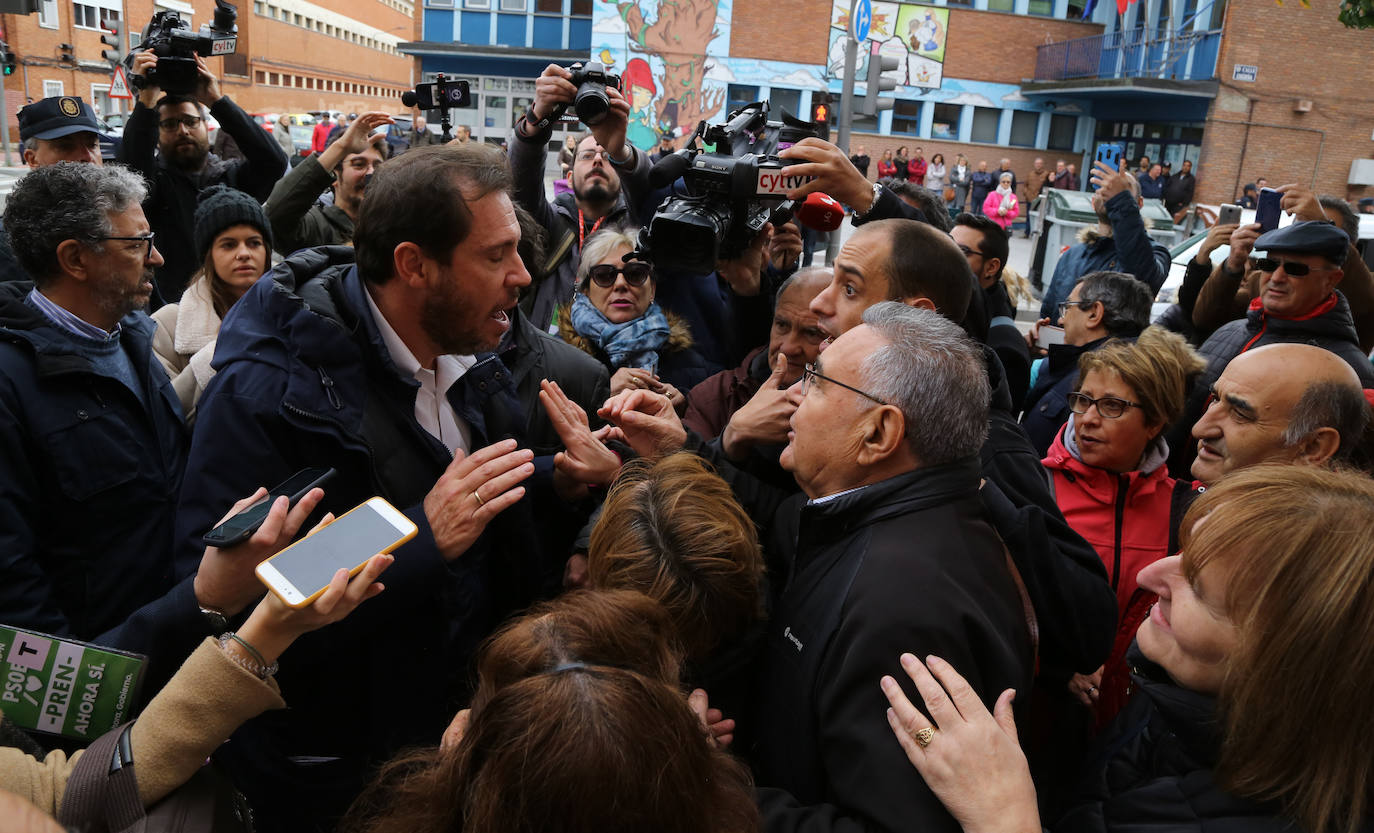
(877, 65)
(113, 37)
(820, 113)
(7, 58)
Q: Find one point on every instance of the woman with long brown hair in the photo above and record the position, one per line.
(1253, 671)
(577, 725)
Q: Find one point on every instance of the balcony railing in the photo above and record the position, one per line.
(1179, 56)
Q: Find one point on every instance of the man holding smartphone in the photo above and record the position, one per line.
(376, 361)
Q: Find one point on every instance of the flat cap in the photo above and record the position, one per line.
(1312, 237)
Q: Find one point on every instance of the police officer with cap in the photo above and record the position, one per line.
(59, 129)
(62, 128)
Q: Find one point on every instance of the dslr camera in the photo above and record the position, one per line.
(591, 80)
(732, 192)
(169, 38)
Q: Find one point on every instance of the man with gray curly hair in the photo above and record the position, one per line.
(894, 554)
(90, 430)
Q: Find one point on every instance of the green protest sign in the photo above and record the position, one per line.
(64, 687)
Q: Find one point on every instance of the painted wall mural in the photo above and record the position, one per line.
(673, 58)
(913, 34)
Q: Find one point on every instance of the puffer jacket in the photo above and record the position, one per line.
(1128, 518)
(1129, 249)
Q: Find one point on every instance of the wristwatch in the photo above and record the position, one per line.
(217, 622)
(877, 192)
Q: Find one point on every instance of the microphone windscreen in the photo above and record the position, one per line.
(668, 169)
(820, 212)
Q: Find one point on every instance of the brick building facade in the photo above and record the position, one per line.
(293, 55)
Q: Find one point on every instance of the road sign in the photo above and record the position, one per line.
(860, 19)
(119, 84)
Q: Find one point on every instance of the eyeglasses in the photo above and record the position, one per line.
(810, 372)
(142, 238)
(188, 122)
(1064, 305)
(589, 155)
(1108, 407)
(967, 251)
(1291, 267)
(605, 274)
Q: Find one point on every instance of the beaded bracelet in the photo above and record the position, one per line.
(259, 669)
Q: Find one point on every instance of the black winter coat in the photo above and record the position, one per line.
(1047, 404)
(907, 564)
(1154, 774)
(304, 379)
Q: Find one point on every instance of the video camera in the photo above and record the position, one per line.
(169, 38)
(732, 193)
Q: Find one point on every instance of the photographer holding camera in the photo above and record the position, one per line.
(174, 124)
(597, 201)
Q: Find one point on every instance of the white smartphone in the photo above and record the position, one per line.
(1049, 335)
(1229, 213)
(302, 571)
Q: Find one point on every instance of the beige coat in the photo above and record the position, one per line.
(185, 343)
(201, 706)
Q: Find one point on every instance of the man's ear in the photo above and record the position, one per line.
(991, 267)
(30, 158)
(1095, 314)
(920, 302)
(1319, 446)
(408, 263)
(72, 259)
(885, 436)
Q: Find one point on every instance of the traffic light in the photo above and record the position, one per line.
(820, 113)
(7, 58)
(68, 56)
(877, 65)
(113, 37)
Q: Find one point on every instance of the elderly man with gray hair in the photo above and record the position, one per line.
(894, 554)
(91, 431)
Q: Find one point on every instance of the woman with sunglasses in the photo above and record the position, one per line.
(1112, 484)
(614, 318)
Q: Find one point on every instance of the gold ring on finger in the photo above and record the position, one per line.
(478, 498)
(924, 736)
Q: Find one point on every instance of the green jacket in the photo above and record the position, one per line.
(298, 220)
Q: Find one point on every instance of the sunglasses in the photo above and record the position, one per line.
(635, 274)
(1297, 270)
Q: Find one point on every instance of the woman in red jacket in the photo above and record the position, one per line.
(887, 168)
(1111, 482)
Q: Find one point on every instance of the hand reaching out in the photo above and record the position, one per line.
(647, 420)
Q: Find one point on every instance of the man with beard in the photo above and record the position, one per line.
(1120, 242)
(375, 360)
(91, 431)
(298, 219)
(596, 202)
(175, 126)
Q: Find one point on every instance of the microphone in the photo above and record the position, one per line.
(820, 212)
(667, 170)
(408, 98)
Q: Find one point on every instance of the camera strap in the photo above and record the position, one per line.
(582, 227)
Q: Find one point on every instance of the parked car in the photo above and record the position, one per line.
(267, 121)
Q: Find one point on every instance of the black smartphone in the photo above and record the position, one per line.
(1267, 210)
(241, 527)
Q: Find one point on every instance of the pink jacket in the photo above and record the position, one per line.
(994, 202)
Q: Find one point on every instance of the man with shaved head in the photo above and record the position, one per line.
(1293, 403)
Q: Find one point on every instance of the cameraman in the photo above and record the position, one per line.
(174, 125)
(597, 200)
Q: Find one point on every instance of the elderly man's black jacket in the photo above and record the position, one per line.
(907, 564)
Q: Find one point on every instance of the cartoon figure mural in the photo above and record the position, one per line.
(637, 81)
(679, 36)
(911, 32)
(925, 34)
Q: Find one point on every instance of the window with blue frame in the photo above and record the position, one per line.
(1062, 129)
(906, 117)
(985, 121)
(783, 99)
(1023, 124)
(738, 95)
(945, 124)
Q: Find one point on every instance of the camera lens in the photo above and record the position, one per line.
(591, 104)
